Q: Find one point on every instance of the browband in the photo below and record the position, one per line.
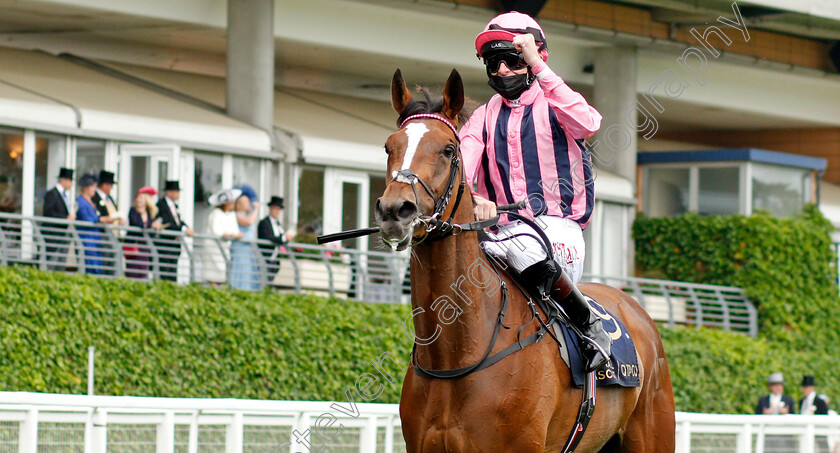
(433, 116)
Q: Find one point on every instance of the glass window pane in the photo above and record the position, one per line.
(667, 192)
(311, 205)
(613, 238)
(90, 157)
(208, 180)
(350, 211)
(247, 171)
(11, 170)
(718, 192)
(779, 190)
(49, 157)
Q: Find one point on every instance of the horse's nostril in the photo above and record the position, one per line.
(407, 210)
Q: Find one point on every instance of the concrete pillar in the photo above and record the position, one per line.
(250, 62)
(615, 99)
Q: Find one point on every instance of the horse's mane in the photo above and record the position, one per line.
(427, 104)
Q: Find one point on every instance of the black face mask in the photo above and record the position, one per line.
(511, 87)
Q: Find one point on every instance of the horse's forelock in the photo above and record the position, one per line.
(429, 104)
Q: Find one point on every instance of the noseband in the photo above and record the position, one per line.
(407, 176)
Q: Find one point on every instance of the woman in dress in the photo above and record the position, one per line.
(221, 224)
(244, 269)
(141, 215)
(92, 237)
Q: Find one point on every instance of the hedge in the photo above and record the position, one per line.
(160, 339)
(785, 266)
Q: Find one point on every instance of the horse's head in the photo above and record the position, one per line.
(424, 163)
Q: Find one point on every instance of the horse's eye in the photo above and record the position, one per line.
(449, 151)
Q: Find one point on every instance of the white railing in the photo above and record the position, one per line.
(34, 422)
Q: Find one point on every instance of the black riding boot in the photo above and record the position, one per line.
(563, 292)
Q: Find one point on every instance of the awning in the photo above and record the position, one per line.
(22, 108)
(113, 108)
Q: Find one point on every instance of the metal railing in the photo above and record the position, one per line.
(146, 254)
(687, 304)
(31, 422)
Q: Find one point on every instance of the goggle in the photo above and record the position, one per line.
(512, 59)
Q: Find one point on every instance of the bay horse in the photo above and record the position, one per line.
(525, 402)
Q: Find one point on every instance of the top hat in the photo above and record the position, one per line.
(276, 201)
(66, 173)
(809, 381)
(172, 185)
(106, 177)
(775, 378)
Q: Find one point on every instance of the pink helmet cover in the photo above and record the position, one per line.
(507, 25)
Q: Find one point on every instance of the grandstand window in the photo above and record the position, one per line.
(718, 190)
(50, 154)
(90, 157)
(780, 190)
(667, 192)
(208, 180)
(11, 170)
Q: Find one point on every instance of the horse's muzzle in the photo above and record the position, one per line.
(397, 220)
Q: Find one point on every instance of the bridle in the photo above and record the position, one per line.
(433, 222)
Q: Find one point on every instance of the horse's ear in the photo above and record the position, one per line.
(453, 96)
(400, 96)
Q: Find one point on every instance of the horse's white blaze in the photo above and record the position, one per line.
(415, 132)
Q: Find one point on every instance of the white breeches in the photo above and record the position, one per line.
(522, 251)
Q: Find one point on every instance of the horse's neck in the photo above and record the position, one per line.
(459, 297)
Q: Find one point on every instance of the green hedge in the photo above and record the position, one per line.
(785, 266)
(165, 340)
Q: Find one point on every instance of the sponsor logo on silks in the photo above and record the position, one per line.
(496, 45)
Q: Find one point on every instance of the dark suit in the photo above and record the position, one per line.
(764, 403)
(101, 206)
(169, 246)
(265, 231)
(55, 234)
(819, 403)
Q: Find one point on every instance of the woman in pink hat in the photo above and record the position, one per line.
(141, 215)
(527, 142)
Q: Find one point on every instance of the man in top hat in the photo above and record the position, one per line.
(169, 246)
(58, 203)
(270, 229)
(102, 200)
(775, 402)
(811, 403)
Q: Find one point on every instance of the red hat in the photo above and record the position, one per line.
(505, 26)
(149, 190)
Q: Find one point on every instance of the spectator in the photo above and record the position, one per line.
(221, 224)
(270, 229)
(775, 402)
(102, 200)
(244, 273)
(811, 403)
(58, 204)
(169, 246)
(142, 215)
(91, 236)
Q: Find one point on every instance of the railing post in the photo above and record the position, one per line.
(29, 432)
(759, 439)
(300, 438)
(192, 447)
(233, 439)
(367, 438)
(99, 442)
(166, 433)
(389, 435)
(744, 439)
(684, 437)
(807, 443)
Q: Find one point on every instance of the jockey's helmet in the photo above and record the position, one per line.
(505, 26)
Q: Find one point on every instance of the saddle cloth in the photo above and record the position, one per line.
(623, 367)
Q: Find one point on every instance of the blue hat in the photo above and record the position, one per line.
(248, 191)
(87, 181)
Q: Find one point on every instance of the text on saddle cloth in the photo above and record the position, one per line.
(623, 367)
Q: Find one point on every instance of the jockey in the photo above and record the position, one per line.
(527, 142)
